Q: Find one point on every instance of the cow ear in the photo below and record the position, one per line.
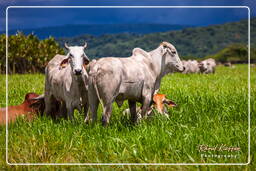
(66, 46)
(85, 45)
(170, 103)
(164, 49)
(38, 106)
(34, 103)
(64, 63)
(85, 61)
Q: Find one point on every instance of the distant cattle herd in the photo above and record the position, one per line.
(206, 66)
(74, 82)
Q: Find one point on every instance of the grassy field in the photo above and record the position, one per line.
(212, 110)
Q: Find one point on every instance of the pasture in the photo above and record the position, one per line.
(212, 110)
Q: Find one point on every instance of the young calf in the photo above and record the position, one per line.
(29, 108)
(159, 104)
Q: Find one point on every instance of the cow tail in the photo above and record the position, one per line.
(96, 89)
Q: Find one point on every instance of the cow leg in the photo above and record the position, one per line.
(132, 107)
(63, 110)
(145, 106)
(70, 111)
(106, 114)
(86, 112)
(49, 107)
(94, 104)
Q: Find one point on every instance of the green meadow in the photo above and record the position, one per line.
(212, 111)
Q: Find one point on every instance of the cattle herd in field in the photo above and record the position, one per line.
(193, 66)
(72, 82)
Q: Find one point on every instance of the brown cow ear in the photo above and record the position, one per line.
(170, 103)
(35, 103)
(86, 62)
(64, 63)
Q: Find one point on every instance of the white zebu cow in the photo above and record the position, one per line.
(207, 66)
(65, 82)
(135, 78)
(191, 66)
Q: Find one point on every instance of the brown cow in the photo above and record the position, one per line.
(159, 103)
(28, 108)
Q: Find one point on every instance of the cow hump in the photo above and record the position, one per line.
(139, 51)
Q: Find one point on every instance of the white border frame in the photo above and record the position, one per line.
(249, 45)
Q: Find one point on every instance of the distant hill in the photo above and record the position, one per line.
(98, 29)
(190, 42)
(235, 53)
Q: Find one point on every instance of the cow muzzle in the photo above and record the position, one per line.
(183, 68)
(180, 68)
(78, 71)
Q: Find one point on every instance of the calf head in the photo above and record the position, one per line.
(35, 102)
(172, 60)
(160, 101)
(76, 57)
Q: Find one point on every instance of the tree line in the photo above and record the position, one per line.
(195, 42)
(226, 42)
(26, 53)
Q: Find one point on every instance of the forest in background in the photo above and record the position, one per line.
(225, 42)
(190, 42)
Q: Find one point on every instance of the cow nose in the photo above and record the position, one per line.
(78, 71)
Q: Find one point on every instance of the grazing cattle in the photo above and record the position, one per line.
(66, 82)
(159, 104)
(135, 78)
(207, 66)
(29, 108)
(191, 66)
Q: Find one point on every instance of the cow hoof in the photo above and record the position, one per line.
(87, 121)
(105, 124)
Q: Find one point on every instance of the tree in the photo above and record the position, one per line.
(27, 54)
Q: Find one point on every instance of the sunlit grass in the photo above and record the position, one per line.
(212, 110)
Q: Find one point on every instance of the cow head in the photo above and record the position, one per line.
(172, 60)
(35, 101)
(76, 57)
(160, 101)
(203, 65)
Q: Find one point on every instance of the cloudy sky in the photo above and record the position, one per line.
(20, 18)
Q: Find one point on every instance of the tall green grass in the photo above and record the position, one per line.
(212, 110)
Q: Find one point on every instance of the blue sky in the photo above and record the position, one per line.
(33, 18)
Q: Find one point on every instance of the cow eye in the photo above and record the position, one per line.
(71, 55)
(173, 52)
